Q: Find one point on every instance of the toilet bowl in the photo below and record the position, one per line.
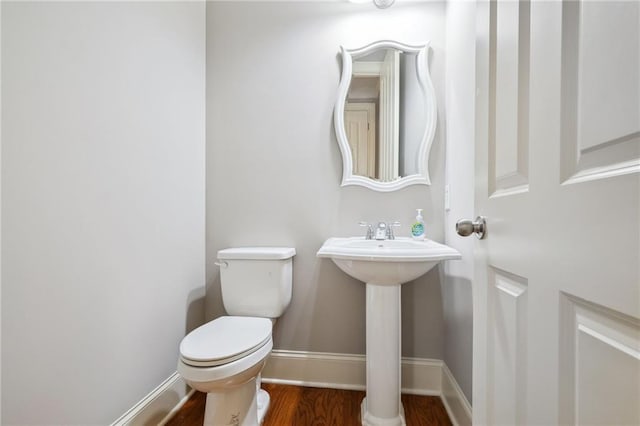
(228, 370)
(225, 357)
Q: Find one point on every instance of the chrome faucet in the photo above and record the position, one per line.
(383, 231)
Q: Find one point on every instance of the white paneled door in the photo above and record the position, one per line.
(360, 126)
(557, 289)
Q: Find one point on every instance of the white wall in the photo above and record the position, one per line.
(0, 212)
(103, 203)
(457, 300)
(274, 166)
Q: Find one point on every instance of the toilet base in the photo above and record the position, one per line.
(239, 406)
(264, 400)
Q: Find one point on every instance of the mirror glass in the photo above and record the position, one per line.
(385, 115)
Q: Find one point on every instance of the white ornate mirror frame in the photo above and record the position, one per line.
(428, 93)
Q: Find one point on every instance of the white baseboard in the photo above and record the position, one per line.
(454, 401)
(345, 371)
(315, 369)
(159, 406)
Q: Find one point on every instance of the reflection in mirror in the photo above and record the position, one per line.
(382, 113)
(385, 116)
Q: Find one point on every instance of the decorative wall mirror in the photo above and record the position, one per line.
(385, 115)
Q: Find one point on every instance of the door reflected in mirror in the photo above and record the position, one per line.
(385, 115)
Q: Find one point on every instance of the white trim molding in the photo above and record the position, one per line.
(420, 376)
(160, 405)
(315, 369)
(454, 401)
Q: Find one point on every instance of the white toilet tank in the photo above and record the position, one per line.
(256, 281)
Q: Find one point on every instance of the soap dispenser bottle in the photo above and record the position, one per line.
(417, 229)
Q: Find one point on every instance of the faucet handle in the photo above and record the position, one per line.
(390, 226)
(369, 235)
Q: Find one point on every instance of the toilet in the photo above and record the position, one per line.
(224, 357)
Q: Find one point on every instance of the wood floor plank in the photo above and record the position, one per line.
(304, 406)
(295, 405)
(192, 412)
(424, 410)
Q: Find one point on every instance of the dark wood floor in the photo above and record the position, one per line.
(302, 406)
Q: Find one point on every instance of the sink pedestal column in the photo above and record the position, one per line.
(382, 406)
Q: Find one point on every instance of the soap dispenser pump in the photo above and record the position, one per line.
(417, 229)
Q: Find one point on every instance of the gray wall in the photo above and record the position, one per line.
(103, 203)
(457, 293)
(412, 113)
(274, 167)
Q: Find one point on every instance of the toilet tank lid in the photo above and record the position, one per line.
(257, 253)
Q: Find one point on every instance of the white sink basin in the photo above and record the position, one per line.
(385, 262)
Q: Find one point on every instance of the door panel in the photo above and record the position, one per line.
(507, 347)
(600, 108)
(595, 338)
(509, 100)
(557, 285)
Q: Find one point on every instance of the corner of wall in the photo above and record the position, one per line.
(0, 212)
(159, 405)
(459, 183)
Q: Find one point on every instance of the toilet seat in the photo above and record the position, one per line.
(221, 376)
(224, 340)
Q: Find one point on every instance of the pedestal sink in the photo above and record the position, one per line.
(384, 265)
